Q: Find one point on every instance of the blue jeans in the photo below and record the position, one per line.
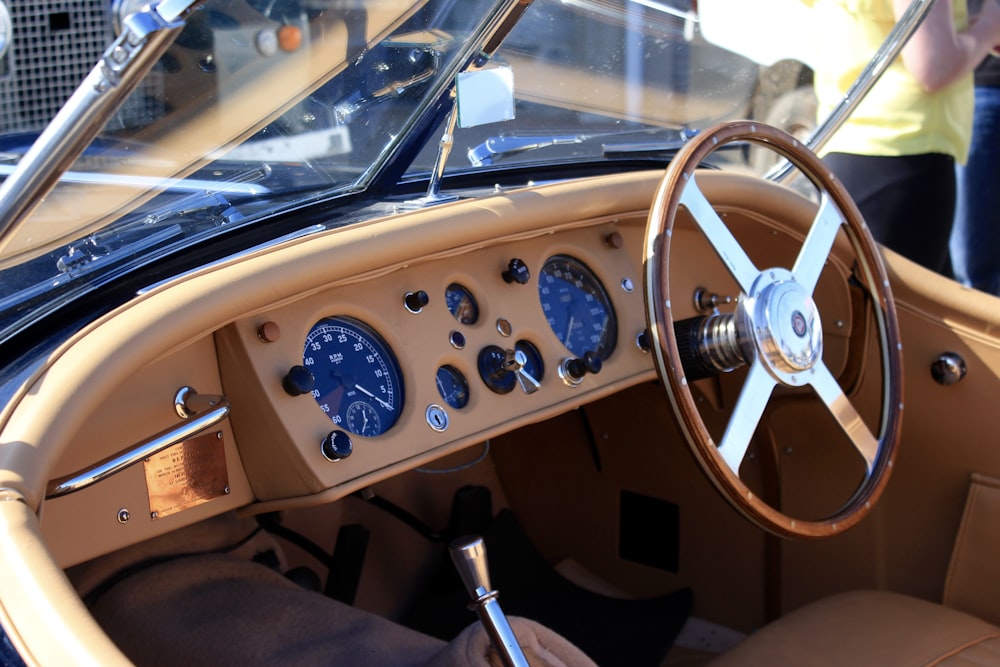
(975, 236)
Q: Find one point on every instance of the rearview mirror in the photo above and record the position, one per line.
(485, 96)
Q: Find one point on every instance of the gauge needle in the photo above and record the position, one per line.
(569, 327)
(386, 405)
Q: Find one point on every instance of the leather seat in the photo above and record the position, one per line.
(869, 628)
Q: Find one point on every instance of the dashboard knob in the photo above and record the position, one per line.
(642, 341)
(517, 272)
(577, 368)
(337, 445)
(948, 369)
(299, 380)
(415, 301)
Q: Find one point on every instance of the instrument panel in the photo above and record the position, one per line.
(429, 358)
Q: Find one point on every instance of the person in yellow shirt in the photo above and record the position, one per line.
(897, 152)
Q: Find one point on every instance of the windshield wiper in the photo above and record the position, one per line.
(204, 209)
(503, 146)
(499, 147)
(207, 207)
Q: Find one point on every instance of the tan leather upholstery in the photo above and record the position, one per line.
(870, 629)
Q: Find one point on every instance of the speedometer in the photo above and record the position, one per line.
(577, 307)
(358, 381)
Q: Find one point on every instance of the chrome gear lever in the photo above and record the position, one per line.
(469, 555)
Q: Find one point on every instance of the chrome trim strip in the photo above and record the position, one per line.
(153, 183)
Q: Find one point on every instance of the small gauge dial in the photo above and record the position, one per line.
(363, 419)
(453, 386)
(577, 307)
(358, 381)
(461, 304)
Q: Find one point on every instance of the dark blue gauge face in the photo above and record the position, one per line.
(462, 304)
(358, 381)
(453, 386)
(577, 307)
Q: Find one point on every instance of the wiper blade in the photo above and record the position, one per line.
(499, 147)
(503, 146)
(638, 148)
(207, 209)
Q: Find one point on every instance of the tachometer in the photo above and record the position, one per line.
(577, 307)
(358, 381)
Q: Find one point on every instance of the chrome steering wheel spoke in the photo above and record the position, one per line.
(725, 244)
(747, 414)
(845, 414)
(816, 249)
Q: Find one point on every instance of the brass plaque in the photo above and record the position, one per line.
(186, 475)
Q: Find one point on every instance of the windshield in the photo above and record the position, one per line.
(263, 105)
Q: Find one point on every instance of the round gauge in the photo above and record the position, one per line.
(461, 303)
(453, 386)
(577, 307)
(358, 381)
(5, 28)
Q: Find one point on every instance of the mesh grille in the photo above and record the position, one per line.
(53, 46)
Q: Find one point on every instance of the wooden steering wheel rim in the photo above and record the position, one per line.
(678, 179)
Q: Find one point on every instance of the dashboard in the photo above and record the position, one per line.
(352, 355)
(403, 367)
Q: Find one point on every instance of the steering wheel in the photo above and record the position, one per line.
(776, 330)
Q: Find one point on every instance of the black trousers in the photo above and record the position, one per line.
(908, 201)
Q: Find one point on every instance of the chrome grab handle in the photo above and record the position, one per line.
(200, 411)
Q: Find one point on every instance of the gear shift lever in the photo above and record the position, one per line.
(469, 555)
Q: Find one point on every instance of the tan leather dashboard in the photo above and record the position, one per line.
(114, 384)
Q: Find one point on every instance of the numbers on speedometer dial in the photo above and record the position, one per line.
(358, 381)
(577, 307)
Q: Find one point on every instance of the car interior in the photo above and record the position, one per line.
(599, 522)
(636, 417)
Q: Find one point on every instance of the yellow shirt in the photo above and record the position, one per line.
(898, 117)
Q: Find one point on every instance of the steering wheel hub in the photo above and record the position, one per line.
(786, 325)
